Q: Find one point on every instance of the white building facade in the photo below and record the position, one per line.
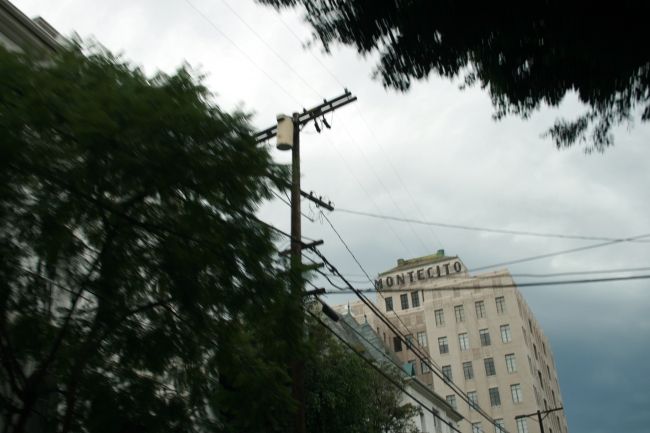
(481, 335)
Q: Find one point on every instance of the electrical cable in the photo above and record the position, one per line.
(270, 48)
(242, 51)
(483, 229)
(378, 370)
(381, 183)
(418, 353)
(543, 256)
(535, 284)
(396, 173)
(368, 195)
(559, 274)
(316, 58)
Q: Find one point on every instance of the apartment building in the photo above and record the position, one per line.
(479, 333)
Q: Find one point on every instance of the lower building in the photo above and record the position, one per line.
(480, 336)
(439, 416)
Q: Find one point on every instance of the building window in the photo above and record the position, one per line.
(530, 325)
(425, 366)
(409, 342)
(446, 372)
(414, 368)
(405, 301)
(548, 370)
(500, 427)
(525, 337)
(451, 399)
(536, 395)
(501, 305)
(516, 393)
(480, 309)
(468, 370)
(485, 337)
(422, 339)
(473, 400)
(460, 313)
(463, 341)
(544, 347)
(397, 344)
(489, 367)
(389, 304)
(541, 381)
(443, 345)
(440, 318)
(530, 364)
(522, 425)
(545, 405)
(511, 363)
(535, 350)
(476, 427)
(495, 398)
(506, 337)
(554, 401)
(415, 299)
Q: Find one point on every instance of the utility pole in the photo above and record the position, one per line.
(297, 289)
(539, 416)
(298, 367)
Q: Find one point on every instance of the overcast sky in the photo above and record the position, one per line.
(432, 154)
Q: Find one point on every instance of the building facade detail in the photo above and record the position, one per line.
(479, 332)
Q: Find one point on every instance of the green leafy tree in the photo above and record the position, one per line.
(138, 292)
(345, 395)
(525, 54)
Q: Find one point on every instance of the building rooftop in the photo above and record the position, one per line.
(403, 265)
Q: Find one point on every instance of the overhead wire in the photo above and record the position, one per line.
(426, 250)
(573, 250)
(483, 229)
(242, 52)
(377, 369)
(535, 284)
(368, 195)
(422, 356)
(369, 129)
(270, 48)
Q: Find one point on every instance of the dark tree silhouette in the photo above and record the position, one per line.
(524, 54)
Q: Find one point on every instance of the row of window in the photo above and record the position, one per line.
(422, 341)
(404, 299)
(440, 317)
(459, 310)
(490, 370)
(522, 426)
(463, 339)
(495, 397)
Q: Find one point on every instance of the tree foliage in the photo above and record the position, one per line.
(525, 54)
(138, 293)
(345, 395)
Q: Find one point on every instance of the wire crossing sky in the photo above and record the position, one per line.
(495, 192)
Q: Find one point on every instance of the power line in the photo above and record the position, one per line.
(536, 284)
(396, 173)
(543, 256)
(378, 370)
(483, 229)
(242, 51)
(608, 271)
(367, 195)
(270, 48)
(381, 183)
(422, 356)
(315, 58)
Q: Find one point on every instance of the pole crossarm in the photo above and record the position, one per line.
(318, 201)
(309, 115)
(542, 412)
